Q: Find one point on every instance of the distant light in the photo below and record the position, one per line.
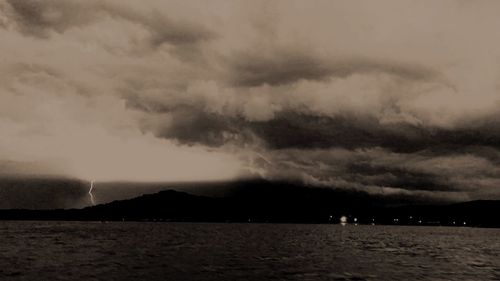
(355, 219)
(464, 223)
(343, 219)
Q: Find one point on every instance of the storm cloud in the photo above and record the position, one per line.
(348, 96)
(41, 18)
(285, 66)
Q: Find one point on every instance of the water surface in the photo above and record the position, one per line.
(202, 251)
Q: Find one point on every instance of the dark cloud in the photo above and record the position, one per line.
(396, 177)
(303, 131)
(298, 130)
(374, 157)
(176, 33)
(30, 192)
(381, 171)
(320, 97)
(194, 127)
(38, 18)
(284, 66)
(387, 149)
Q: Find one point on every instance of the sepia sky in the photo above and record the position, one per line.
(389, 97)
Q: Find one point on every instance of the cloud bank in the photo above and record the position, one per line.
(346, 95)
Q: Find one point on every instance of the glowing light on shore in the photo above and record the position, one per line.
(343, 220)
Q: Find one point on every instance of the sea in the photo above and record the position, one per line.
(39, 250)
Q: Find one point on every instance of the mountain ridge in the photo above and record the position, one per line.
(171, 205)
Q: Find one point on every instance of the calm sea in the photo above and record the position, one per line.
(203, 251)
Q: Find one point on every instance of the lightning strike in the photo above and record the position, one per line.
(90, 193)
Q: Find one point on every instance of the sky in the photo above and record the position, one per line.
(387, 97)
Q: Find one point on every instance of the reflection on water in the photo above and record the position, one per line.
(191, 251)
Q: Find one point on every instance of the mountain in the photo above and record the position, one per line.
(37, 192)
(275, 202)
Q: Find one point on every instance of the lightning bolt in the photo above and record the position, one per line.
(254, 168)
(263, 158)
(90, 193)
